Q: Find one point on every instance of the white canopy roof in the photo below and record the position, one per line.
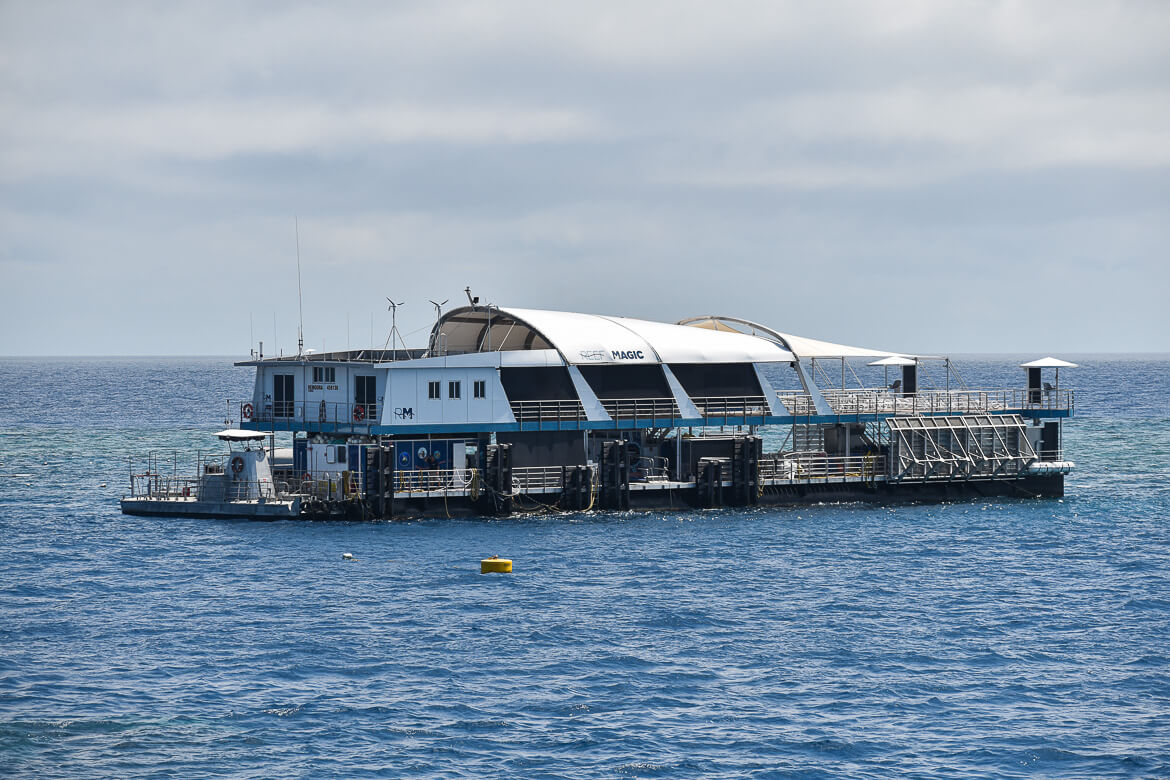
(799, 345)
(894, 360)
(1048, 362)
(596, 339)
(236, 434)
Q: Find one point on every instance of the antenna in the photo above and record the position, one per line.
(473, 301)
(300, 300)
(394, 334)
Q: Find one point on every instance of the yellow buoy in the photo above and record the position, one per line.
(495, 564)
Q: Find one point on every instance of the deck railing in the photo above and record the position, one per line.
(528, 478)
(732, 406)
(432, 480)
(640, 408)
(286, 413)
(881, 401)
(819, 466)
(548, 411)
(163, 487)
(650, 468)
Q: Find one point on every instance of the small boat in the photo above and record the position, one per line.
(237, 483)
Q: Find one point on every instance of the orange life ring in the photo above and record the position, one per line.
(359, 413)
(237, 464)
(246, 411)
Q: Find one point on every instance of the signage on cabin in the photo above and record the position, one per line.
(614, 354)
(322, 387)
(404, 412)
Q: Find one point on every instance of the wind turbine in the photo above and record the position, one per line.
(394, 334)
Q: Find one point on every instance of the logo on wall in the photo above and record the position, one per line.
(592, 354)
(404, 413)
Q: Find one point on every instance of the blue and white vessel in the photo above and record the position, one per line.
(509, 409)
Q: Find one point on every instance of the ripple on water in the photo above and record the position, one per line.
(1008, 638)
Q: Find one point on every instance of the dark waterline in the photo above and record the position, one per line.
(987, 639)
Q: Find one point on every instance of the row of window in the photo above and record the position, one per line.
(324, 374)
(455, 389)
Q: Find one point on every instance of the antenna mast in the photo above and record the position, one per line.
(300, 300)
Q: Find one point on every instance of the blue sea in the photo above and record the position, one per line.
(994, 638)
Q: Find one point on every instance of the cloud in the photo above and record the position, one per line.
(641, 157)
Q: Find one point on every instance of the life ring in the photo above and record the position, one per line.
(359, 413)
(246, 411)
(237, 464)
(307, 477)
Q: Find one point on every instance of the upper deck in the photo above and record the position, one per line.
(505, 370)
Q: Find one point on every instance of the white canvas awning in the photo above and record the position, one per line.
(583, 339)
(1048, 362)
(800, 346)
(894, 360)
(235, 434)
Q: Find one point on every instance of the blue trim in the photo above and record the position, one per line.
(611, 425)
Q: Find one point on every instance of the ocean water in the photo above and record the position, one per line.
(1005, 638)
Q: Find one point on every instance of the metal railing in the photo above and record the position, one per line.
(819, 466)
(319, 412)
(732, 406)
(640, 408)
(457, 481)
(883, 401)
(328, 485)
(548, 411)
(650, 469)
(529, 478)
(161, 487)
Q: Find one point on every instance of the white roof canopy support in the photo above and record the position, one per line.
(686, 407)
(594, 411)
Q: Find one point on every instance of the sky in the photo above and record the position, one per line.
(931, 176)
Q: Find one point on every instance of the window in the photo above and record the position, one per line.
(480, 388)
(324, 374)
(282, 395)
(433, 389)
(454, 389)
(341, 453)
(365, 398)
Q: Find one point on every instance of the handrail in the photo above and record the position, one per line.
(640, 408)
(542, 410)
(884, 401)
(360, 416)
(432, 480)
(732, 405)
(817, 466)
(537, 477)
